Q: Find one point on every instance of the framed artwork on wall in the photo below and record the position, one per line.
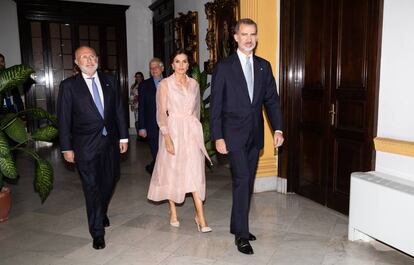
(186, 34)
(222, 16)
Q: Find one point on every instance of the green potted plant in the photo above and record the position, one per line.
(14, 138)
(201, 78)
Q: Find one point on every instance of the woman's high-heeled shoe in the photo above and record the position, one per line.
(202, 229)
(175, 224)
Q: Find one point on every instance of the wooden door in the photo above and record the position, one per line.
(51, 31)
(329, 87)
(163, 31)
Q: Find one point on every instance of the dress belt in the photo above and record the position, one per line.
(197, 128)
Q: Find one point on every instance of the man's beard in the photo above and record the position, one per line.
(88, 70)
(249, 48)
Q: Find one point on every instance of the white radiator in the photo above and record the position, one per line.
(382, 207)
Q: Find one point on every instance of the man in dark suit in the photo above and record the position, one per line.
(147, 109)
(92, 133)
(241, 84)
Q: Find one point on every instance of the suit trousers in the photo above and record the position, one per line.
(98, 183)
(153, 139)
(243, 163)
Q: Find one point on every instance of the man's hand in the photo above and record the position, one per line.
(169, 144)
(69, 156)
(142, 133)
(123, 147)
(221, 146)
(278, 139)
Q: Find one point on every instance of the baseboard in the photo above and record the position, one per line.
(270, 183)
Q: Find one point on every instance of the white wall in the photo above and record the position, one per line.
(9, 33)
(184, 6)
(396, 95)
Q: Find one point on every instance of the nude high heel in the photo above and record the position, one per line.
(200, 228)
(174, 223)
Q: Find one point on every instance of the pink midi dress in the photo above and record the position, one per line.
(178, 114)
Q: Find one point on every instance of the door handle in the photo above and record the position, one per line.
(332, 114)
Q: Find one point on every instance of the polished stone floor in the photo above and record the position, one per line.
(290, 229)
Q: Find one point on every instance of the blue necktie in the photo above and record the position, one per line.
(98, 102)
(249, 78)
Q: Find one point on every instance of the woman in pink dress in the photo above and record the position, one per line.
(179, 167)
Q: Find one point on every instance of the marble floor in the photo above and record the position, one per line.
(290, 229)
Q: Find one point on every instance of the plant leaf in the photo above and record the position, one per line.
(28, 151)
(43, 182)
(7, 119)
(203, 82)
(47, 133)
(4, 145)
(14, 76)
(195, 72)
(39, 114)
(17, 131)
(8, 166)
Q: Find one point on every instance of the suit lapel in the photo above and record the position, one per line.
(153, 87)
(106, 86)
(238, 71)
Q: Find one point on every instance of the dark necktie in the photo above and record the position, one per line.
(98, 102)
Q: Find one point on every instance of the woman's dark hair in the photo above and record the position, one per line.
(1, 56)
(139, 73)
(177, 52)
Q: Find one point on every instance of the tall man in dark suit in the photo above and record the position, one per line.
(147, 109)
(241, 84)
(92, 132)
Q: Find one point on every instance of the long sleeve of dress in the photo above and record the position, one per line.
(161, 100)
(197, 103)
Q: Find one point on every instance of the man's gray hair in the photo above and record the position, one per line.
(156, 60)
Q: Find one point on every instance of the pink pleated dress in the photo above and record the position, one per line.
(178, 112)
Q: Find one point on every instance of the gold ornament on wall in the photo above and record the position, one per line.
(186, 34)
(222, 16)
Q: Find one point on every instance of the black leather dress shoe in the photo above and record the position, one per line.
(98, 242)
(243, 246)
(252, 237)
(106, 222)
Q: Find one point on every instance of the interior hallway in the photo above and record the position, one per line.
(290, 229)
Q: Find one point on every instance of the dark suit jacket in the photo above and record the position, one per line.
(147, 107)
(232, 116)
(80, 124)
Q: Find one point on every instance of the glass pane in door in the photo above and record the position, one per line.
(41, 77)
(61, 57)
